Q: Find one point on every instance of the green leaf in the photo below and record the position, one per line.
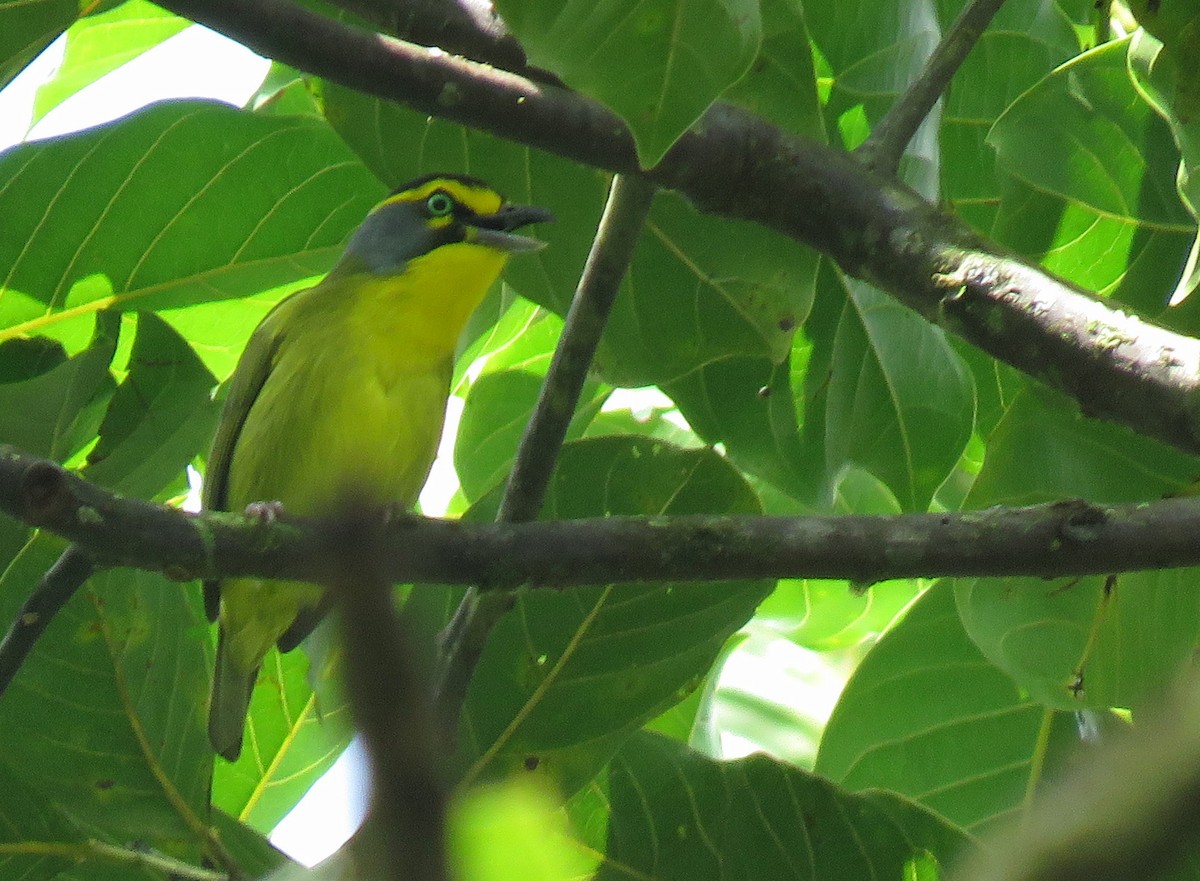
(700, 289)
(494, 418)
(781, 84)
(110, 218)
(512, 357)
(1094, 194)
(99, 44)
(127, 654)
(872, 50)
(829, 615)
(513, 830)
(927, 716)
(253, 852)
(1156, 77)
(747, 404)
(567, 675)
(295, 733)
(1083, 134)
(901, 401)
(160, 418)
(55, 413)
(1045, 450)
(1135, 264)
(659, 64)
(1046, 634)
(1026, 40)
(27, 816)
(670, 813)
(27, 27)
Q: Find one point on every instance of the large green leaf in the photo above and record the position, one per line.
(567, 675)
(658, 63)
(27, 817)
(182, 203)
(515, 353)
(1092, 192)
(663, 811)
(1025, 41)
(101, 43)
(781, 84)
(872, 50)
(1155, 75)
(1069, 641)
(299, 723)
(747, 404)
(494, 418)
(56, 412)
(901, 401)
(26, 28)
(700, 289)
(106, 717)
(927, 716)
(160, 418)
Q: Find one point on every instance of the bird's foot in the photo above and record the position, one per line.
(265, 512)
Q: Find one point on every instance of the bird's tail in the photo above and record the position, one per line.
(232, 687)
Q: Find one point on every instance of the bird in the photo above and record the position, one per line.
(341, 392)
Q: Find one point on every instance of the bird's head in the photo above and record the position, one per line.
(438, 211)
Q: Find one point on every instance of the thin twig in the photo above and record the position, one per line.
(616, 238)
(883, 149)
(51, 593)
(99, 851)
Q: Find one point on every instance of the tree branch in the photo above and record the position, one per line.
(883, 149)
(467, 27)
(620, 228)
(406, 831)
(50, 594)
(1060, 539)
(736, 164)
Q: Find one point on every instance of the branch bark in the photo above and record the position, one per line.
(736, 164)
(1060, 539)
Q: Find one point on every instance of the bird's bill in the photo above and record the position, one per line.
(496, 230)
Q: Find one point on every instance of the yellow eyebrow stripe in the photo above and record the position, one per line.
(481, 200)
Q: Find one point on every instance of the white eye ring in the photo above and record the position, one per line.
(439, 204)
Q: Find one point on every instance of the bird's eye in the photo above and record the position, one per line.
(439, 204)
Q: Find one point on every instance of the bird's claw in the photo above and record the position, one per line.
(265, 512)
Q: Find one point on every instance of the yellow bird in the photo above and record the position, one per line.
(342, 389)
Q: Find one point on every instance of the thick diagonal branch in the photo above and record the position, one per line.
(736, 164)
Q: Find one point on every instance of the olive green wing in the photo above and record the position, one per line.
(248, 378)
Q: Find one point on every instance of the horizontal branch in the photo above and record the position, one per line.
(736, 164)
(1059, 539)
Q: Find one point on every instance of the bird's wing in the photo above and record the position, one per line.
(248, 379)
